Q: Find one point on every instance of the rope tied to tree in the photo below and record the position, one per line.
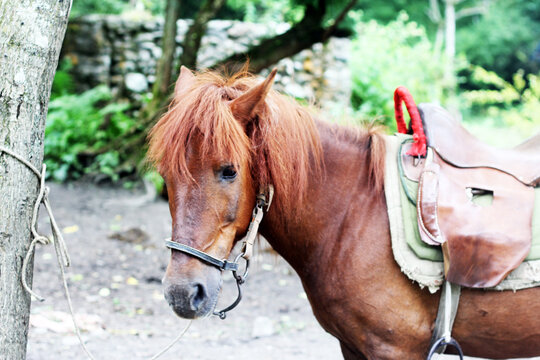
(57, 238)
(60, 248)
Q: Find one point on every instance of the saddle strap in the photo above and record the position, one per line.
(446, 314)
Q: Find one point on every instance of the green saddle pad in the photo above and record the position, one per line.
(408, 194)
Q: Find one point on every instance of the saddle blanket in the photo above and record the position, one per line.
(421, 262)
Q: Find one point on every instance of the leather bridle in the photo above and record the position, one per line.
(264, 199)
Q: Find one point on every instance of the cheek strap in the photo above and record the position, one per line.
(264, 200)
(207, 258)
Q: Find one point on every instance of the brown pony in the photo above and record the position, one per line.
(223, 138)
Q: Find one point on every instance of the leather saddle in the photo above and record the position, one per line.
(474, 200)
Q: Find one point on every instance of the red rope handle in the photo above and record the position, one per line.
(419, 146)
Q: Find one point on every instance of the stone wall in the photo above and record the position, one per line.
(122, 53)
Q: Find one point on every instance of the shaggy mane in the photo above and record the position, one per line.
(281, 143)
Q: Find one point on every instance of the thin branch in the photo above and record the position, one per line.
(477, 10)
(192, 40)
(330, 30)
(434, 11)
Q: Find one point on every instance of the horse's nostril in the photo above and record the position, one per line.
(198, 296)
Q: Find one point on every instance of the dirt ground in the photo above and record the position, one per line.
(115, 240)
(116, 290)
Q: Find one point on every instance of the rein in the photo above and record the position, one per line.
(264, 200)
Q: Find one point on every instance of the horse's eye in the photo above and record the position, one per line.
(228, 173)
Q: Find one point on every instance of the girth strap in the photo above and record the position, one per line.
(221, 264)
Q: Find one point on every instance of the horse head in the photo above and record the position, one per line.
(203, 151)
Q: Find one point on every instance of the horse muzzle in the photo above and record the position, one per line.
(192, 299)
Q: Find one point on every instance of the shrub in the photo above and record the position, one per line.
(513, 104)
(78, 126)
(386, 56)
(503, 40)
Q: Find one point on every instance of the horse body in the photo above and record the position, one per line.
(340, 247)
(222, 138)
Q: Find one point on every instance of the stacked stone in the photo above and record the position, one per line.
(123, 53)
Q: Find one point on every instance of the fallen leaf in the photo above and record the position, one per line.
(77, 277)
(70, 229)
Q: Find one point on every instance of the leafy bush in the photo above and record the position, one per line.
(513, 104)
(384, 57)
(504, 38)
(63, 83)
(265, 11)
(84, 7)
(78, 126)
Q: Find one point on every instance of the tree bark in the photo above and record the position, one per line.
(31, 34)
(192, 40)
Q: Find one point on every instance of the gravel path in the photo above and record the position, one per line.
(115, 284)
(116, 290)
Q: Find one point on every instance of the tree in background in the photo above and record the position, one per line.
(505, 39)
(165, 71)
(446, 24)
(319, 22)
(498, 35)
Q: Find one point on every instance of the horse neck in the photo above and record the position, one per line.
(342, 193)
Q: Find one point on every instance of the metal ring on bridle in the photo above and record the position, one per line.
(239, 281)
(243, 277)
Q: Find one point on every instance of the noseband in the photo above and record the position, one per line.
(264, 199)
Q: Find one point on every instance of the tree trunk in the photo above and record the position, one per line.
(192, 40)
(164, 70)
(450, 25)
(434, 13)
(450, 54)
(31, 34)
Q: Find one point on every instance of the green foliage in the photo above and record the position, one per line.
(504, 38)
(155, 7)
(155, 178)
(77, 125)
(513, 104)
(385, 11)
(498, 90)
(63, 82)
(269, 11)
(84, 7)
(384, 57)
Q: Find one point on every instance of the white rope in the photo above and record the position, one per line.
(172, 342)
(60, 248)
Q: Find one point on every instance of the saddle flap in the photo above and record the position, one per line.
(485, 229)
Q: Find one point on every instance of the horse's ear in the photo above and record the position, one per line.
(247, 105)
(185, 80)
